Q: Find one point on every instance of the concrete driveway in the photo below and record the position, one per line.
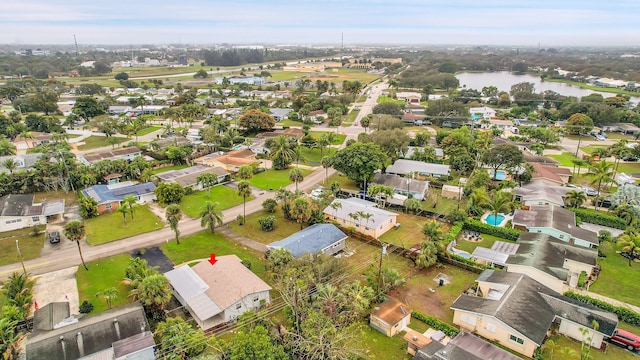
(57, 286)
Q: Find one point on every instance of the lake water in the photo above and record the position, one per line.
(503, 80)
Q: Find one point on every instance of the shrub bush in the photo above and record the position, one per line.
(506, 233)
(624, 314)
(596, 217)
(453, 232)
(240, 219)
(269, 205)
(435, 323)
(267, 223)
(86, 307)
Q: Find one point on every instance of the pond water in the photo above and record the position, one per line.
(503, 80)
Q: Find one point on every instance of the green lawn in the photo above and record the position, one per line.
(629, 167)
(351, 117)
(201, 245)
(337, 138)
(251, 228)
(487, 242)
(617, 279)
(224, 196)
(286, 76)
(30, 246)
(273, 179)
(564, 159)
(313, 156)
(345, 182)
(377, 345)
(442, 205)
(148, 130)
(613, 351)
(408, 234)
(93, 142)
(168, 168)
(103, 274)
(384, 99)
(109, 227)
(290, 123)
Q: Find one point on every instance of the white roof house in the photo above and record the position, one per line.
(378, 223)
(404, 167)
(484, 111)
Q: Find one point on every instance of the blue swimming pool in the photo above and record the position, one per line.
(499, 175)
(494, 220)
(464, 254)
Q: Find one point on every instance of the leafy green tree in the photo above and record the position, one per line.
(122, 76)
(359, 161)
(244, 190)
(207, 181)
(255, 344)
(600, 173)
(630, 243)
(178, 340)
(74, 231)
(9, 339)
(388, 108)
(10, 164)
(245, 172)
(256, 120)
(169, 193)
(506, 156)
(269, 205)
(380, 193)
(575, 198)
(173, 215)
(86, 107)
(210, 216)
(45, 101)
(7, 148)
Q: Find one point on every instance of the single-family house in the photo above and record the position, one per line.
(452, 191)
(404, 167)
(414, 188)
(291, 132)
(412, 119)
(230, 161)
(391, 317)
(555, 221)
(483, 112)
(551, 261)
(127, 153)
(317, 238)
(188, 177)
(18, 211)
(345, 213)
(517, 312)
(497, 124)
(315, 113)
(218, 290)
(121, 333)
(415, 109)
(624, 128)
(409, 97)
(109, 197)
(23, 161)
(235, 80)
(464, 346)
(541, 193)
(173, 140)
(280, 114)
(119, 109)
(552, 175)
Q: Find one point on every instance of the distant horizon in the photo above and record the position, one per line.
(494, 23)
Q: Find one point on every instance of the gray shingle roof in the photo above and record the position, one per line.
(465, 346)
(539, 190)
(117, 192)
(555, 217)
(400, 183)
(16, 205)
(403, 166)
(310, 240)
(188, 176)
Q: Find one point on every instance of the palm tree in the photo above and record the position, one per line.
(335, 206)
(299, 156)
(600, 172)
(630, 243)
(10, 164)
(552, 346)
(433, 231)
(301, 210)
(210, 216)
(10, 339)
(18, 292)
(326, 162)
(244, 190)
(575, 198)
(207, 180)
(130, 202)
(618, 150)
(108, 295)
(154, 292)
(122, 209)
(146, 175)
(245, 172)
(322, 143)
(282, 152)
(173, 216)
(296, 176)
(499, 202)
(7, 148)
(74, 231)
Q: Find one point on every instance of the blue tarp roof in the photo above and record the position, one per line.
(310, 240)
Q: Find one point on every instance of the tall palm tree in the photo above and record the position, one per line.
(322, 143)
(7, 148)
(296, 176)
(299, 156)
(282, 152)
(301, 210)
(499, 202)
(130, 202)
(210, 216)
(335, 206)
(74, 231)
(108, 295)
(630, 243)
(432, 230)
(173, 216)
(618, 150)
(575, 198)
(326, 162)
(244, 190)
(207, 180)
(154, 292)
(124, 210)
(600, 173)
(10, 164)
(478, 197)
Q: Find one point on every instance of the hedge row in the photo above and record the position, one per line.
(435, 323)
(598, 218)
(453, 232)
(505, 233)
(624, 314)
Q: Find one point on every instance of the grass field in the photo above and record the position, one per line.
(201, 245)
(93, 142)
(443, 206)
(313, 156)
(617, 279)
(251, 228)
(168, 168)
(408, 234)
(613, 351)
(337, 138)
(109, 227)
(103, 274)
(148, 130)
(564, 159)
(384, 99)
(487, 242)
(273, 179)
(377, 345)
(351, 117)
(345, 182)
(30, 246)
(286, 76)
(224, 196)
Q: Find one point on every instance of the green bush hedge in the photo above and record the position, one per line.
(435, 323)
(624, 314)
(596, 217)
(453, 232)
(505, 233)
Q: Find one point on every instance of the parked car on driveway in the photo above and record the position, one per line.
(627, 339)
(590, 191)
(54, 237)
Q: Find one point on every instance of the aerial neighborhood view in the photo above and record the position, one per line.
(300, 180)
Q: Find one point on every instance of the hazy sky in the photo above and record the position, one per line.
(488, 22)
